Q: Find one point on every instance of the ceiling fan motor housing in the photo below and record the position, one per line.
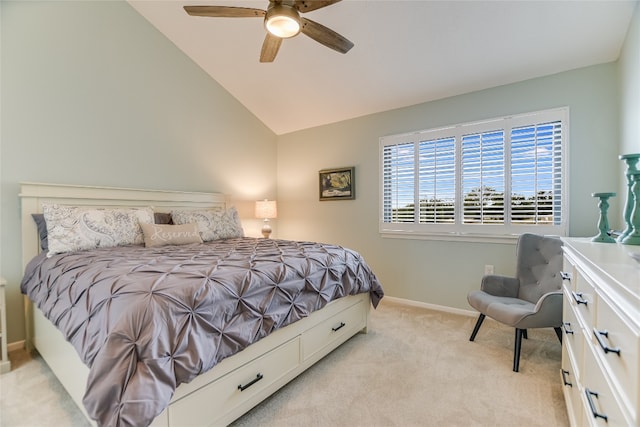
(282, 20)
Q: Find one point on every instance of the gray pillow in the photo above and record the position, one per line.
(162, 218)
(42, 230)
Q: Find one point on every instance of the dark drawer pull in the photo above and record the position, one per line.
(590, 395)
(250, 383)
(605, 347)
(577, 296)
(340, 326)
(565, 275)
(566, 326)
(564, 377)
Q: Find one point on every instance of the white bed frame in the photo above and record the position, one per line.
(213, 398)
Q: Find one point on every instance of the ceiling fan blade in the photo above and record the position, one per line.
(224, 11)
(304, 6)
(270, 48)
(325, 36)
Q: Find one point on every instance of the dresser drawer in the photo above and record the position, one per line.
(584, 299)
(616, 344)
(568, 272)
(333, 330)
(571, 387)
(253, 378)
(601, 406)
(573, 333)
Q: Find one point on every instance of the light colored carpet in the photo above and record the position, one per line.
(415, 367)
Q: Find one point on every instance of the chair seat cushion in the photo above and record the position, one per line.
(507, 310)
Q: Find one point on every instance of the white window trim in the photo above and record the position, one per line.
(483, 232)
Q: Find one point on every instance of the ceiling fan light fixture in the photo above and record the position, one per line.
(282, 21)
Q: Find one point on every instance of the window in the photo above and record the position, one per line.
(497, 177)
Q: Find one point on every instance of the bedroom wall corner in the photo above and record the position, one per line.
(93, 94)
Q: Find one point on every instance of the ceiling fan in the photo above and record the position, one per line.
(282, 20)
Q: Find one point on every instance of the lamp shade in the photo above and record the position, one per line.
(266, 209)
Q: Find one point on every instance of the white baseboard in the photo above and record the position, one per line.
(16, 345)
(437, 307)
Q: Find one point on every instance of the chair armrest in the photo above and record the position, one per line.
(501, 286)
(549, 307)
(550, 298)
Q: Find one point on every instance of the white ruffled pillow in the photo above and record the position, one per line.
(73, 228)
(213, 224)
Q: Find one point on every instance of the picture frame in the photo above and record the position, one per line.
(337, 183)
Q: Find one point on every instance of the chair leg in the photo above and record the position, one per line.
(477, 327)
(558, 334)
(524, 334)
(516, 350)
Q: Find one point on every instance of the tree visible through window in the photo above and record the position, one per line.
(501, 176)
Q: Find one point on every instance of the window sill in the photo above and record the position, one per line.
(454, 237)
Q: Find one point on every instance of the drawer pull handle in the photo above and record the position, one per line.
(564, 377)
(250, 383)
(567, 328)
(340, 326)
(590, 394)
(577, 296)
(605, 347)
(565, 275)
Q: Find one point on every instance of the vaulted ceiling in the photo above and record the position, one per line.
(405, 53)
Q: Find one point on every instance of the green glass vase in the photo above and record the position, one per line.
(633, 238)
(631, 161)
(603, 221)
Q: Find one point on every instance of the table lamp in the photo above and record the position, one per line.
(266, 209)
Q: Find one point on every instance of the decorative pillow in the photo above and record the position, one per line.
(73, 228)
(162, 218)
(42, 231)
(164, 234)
(213, 224)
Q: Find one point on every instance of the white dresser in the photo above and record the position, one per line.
(601, 337)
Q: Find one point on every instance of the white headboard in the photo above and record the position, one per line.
(33, 195)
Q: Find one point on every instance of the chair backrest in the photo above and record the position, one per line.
(539, 262)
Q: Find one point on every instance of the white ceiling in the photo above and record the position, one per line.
(406, 52)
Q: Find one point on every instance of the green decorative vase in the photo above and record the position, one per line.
(633, 238)
(603, 221)
(631, 160)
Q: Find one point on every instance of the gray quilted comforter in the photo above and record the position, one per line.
(148, 319)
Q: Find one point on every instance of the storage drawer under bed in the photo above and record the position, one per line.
(236, 388)
(341, 325)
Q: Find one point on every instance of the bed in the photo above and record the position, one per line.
(161, 355)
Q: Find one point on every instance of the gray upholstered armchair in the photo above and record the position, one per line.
(532, 299)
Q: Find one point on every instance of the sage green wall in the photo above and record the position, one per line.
(434, 271)
(630, 88)
(93, 94)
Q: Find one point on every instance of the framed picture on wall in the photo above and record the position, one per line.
(337, 184)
